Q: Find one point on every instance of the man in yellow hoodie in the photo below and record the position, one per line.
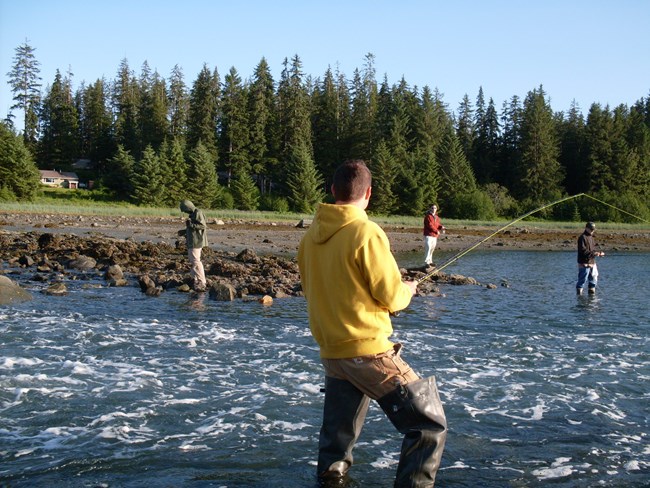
(352, 284)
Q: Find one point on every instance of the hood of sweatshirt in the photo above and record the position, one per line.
(187, 206)
(329, 219)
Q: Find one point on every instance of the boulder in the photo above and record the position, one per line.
(11, 292)
(114, 272)
(82, 263)
(223, 292)
(57, 289)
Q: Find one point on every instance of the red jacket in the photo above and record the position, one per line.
(432, 225)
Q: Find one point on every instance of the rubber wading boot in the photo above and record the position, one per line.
(343, 415)
(416, 411)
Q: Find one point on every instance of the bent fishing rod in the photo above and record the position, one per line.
(455, 258)
(462, 253)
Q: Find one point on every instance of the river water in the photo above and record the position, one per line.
(106, 387)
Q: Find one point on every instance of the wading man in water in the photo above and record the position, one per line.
(194, 232)
(352, 284)
(587, 269)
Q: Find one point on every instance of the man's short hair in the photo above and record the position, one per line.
(351, 180)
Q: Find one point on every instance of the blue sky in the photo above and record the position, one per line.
(590, 51)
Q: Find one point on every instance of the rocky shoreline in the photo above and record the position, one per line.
(245, 260)
(54, 259)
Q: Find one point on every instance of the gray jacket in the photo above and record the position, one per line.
(195, 226)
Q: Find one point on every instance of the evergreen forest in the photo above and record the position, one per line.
(227, 141)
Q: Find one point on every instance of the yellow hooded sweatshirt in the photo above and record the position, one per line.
(351, 282)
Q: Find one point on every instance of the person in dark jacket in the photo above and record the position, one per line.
(196, 239)
(587, 269)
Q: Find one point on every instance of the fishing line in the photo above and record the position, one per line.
(612, 206)
(471, 248)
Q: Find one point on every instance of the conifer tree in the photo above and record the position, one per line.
(327, 123)
(178, 104)
(175, 170)
(245, 192)
(465, 130)
(204, 112)
(96, 124)
(572, 151)
(510, 153)
(363, 133)
(294, 120)
(457, 175)
(147, 180)
(638, 137)
(262, 145)
(24, 79)
(119, 173)
(152, 114)
(406, 188)
(203, 187)
(434, 122)
(125, 105)
(19, 176)
(540, 170)
(485, 151)
(234, 134)
(384, 177)
(304, 182)
(59, 144)
(429, 177)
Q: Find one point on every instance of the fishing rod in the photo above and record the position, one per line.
(455, 258)
(471, 248)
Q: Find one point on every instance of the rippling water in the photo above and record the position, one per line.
(107, 387)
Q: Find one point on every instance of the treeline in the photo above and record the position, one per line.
(268, 144)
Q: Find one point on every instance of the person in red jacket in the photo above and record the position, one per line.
(432, 229)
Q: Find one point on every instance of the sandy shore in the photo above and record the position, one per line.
(282, 238)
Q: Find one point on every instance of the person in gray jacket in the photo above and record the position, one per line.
(196, 239)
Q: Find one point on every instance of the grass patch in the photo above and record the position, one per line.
(88, 203)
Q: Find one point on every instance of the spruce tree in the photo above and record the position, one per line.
(327, 123)
(262, 142)
(304, 182)
(457, 175)
(234, 126)
(364, 109)
(485, 149)
(203, 187)
(245, 192)
(572, 151)
(384, 177)
(175, 171)
(541, 173)
(24, 79)
(429, 177)
(119, 173)
(178, 104)
(294, 119)
(125, 106)
(152, 114)
(204, 112)
(147, 180)
(96, 124)
(59, 144)
(19, 176)
(465, 130)
(510, 151)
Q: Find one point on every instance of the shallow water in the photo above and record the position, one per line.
(108, 387)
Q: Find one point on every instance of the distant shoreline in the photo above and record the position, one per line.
(282, 238)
